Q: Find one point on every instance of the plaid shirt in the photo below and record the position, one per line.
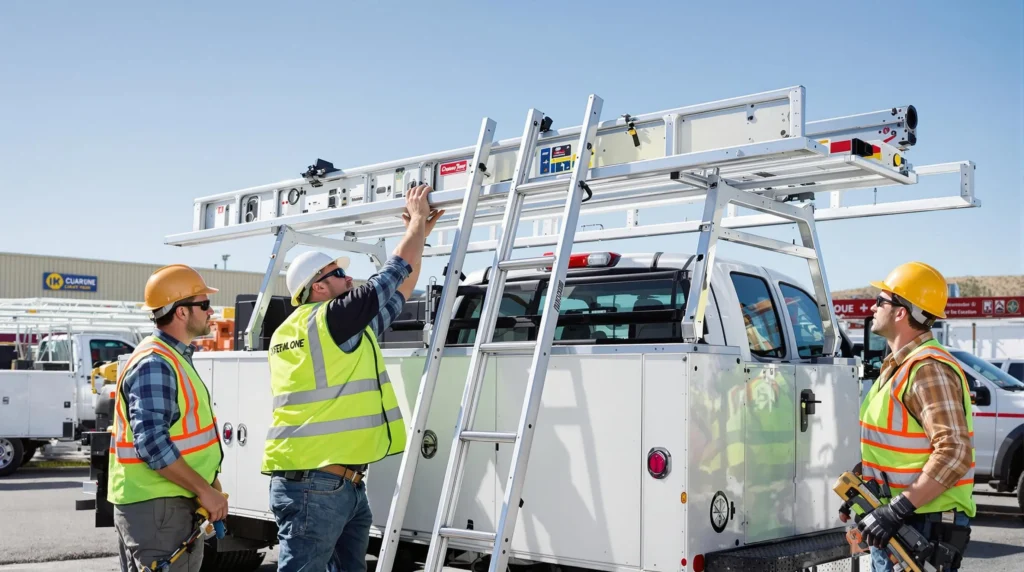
(389, 299)
(152, 389)
(935, 399)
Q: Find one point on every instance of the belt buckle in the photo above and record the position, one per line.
(949, 517)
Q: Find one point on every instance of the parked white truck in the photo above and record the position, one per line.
(692, 413)
(56, 399)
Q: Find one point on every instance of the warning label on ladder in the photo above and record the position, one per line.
(556, 159)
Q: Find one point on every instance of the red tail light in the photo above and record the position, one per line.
(698, 563)
(659, 462)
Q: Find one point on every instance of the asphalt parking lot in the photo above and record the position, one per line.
(41, 530)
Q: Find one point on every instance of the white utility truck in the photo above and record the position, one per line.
(589, 408)
(51, 392)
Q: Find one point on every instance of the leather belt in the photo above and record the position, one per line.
(337, 470)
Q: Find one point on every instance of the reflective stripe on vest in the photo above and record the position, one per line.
(188, 440)
(194, 434)
(329, 406)
(894, 446)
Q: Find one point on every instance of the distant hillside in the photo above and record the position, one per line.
(970, 286)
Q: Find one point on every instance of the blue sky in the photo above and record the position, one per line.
(115, 116)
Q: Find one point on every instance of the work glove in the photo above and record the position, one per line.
(879, 525)
(844, 510)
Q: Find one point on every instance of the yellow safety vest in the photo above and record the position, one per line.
(892, 441)
(194, 434)
(330, 407)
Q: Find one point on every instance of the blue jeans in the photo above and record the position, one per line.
(879, 558)
(323, 523)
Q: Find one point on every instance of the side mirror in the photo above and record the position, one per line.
(981, 396)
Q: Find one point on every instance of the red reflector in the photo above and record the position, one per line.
(658, 463)
(841, 146)
(684, 562)
(698, 563)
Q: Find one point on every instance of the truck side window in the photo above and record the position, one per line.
(1017, 370)
(803, 314)
(760, 316)
(104, 351)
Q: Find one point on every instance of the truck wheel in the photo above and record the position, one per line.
(1020, 493)
(11, 453)
(30, 451)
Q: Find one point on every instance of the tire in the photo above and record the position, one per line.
(1020, 492)
(11, 453)
(30, 452)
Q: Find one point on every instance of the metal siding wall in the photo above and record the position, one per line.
(21, 276)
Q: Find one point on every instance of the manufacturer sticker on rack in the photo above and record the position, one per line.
(454, 168)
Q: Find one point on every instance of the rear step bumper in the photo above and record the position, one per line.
(776, 556)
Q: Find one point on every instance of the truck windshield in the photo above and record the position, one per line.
(54, 350)
(991, 373)
(623, 308)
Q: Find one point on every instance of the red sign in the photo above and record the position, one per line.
(454, 168)
(984, 307)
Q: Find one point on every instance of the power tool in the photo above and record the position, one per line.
(205, 529)
(908, 549)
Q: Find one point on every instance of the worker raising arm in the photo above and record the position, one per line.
(916, 421)
(166, 451)
(334, 407)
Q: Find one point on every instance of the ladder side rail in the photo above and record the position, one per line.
(438, 337)
(620, 175)
(788, 93)
(478, 359)
(542, 353)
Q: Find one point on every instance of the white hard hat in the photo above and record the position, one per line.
(305, 267)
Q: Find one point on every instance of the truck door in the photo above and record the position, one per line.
(769, 420)
(986, 409)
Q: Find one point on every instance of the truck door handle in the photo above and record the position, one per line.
(807, 402)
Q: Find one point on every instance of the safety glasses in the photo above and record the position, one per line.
(338, 272)
(204, 305)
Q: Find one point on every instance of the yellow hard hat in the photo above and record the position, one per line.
(172, 284)
(919, 284)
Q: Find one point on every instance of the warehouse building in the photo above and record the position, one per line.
(32, 276)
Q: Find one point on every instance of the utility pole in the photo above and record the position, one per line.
(225, 257)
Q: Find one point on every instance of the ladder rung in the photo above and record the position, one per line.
(543, 186)
(464, 534)
(489, 436)
(509, 347)
(527, 263)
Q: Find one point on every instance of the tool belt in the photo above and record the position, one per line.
(354, 474)
(949, 540)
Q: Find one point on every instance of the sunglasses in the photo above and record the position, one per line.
(204, 305)
(879, 301)
(338, 272)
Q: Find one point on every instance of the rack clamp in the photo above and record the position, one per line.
(320, 169)
(631, 129)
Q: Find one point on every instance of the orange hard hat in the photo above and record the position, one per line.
(919, 284)
(172, 284)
